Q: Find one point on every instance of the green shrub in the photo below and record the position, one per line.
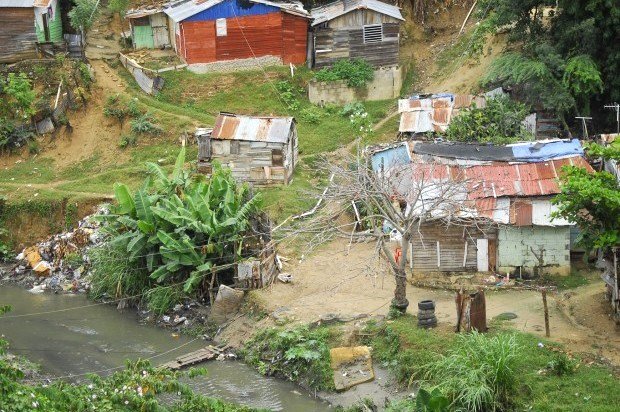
(127, 140)
(299, 354)
(356, 72)
(500, 122)
(34, 147)
(161, 299)
(478, 373)
(562, 365)
(312, 115)
(289, 94)
(145, 124)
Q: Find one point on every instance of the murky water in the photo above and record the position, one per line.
(97, 338)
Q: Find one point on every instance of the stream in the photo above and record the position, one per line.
(97, 338)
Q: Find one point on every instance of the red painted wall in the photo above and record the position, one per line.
(274, 34)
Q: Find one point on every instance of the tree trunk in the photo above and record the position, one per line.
(400, 301)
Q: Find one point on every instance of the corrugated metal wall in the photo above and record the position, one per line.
(17, 37)
(515, 244)
(274, 34)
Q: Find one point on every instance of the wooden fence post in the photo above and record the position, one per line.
(546, 309)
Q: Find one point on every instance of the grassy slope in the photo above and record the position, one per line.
(405, 348)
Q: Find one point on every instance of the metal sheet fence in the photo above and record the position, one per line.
(147, 79)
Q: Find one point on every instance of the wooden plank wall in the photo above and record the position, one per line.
(349, 43)
(452, 241)
(18, 36)
(250, 163)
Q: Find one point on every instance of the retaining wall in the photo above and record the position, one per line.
(235, 65)
(385, 85)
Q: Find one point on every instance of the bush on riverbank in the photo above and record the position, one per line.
(137, 388)
(300, 355)
(424, 355)
(172, 235)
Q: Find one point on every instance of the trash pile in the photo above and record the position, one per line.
(61, 263)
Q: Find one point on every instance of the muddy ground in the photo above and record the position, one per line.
(353, 282)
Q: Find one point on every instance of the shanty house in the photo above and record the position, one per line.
(26, 22)
(505, 206)
(347, 29)
(149, 28)
(260, 150)
(206, 31)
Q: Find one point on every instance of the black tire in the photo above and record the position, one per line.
(427, 321)
(425, 317)
(426, 305)
(427, 325)
(426, 312)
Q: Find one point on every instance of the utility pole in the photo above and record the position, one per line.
(616, 107)
(583, 125)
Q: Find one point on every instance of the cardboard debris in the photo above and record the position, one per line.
(351, 365)
(38, 265)
(227, 302)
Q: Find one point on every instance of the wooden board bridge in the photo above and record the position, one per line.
(201, 355)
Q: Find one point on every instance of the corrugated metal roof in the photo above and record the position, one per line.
(335, 9)
(487, 190)
(255, 129)
(17, 3)
(442, 107)
(184, 9)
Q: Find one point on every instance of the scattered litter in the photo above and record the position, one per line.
(285, 277)
(541, 345)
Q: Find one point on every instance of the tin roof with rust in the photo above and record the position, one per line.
(330, 11)
(488, 191)
(254, 129)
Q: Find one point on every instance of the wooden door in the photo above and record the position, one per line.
(482, 255)
(492, 255)
(46, 27)
(161, 37)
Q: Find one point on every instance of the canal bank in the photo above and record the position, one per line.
(69, 336)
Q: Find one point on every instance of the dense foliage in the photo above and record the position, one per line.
(592, 200)
(564, 54)
(174, 231)
(478, 373)
(299, 354)
(83, 14)
(356, 72)
(500, 121)
(16, 107)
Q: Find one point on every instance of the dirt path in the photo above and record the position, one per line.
(330, 281)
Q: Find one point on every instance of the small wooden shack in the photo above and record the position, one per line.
(260, 150)
(346, 29)
(149, 28)
(24, 24)
(222, 30)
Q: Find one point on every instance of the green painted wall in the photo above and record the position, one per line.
(143, 37)
(514, 245)
(55, 27)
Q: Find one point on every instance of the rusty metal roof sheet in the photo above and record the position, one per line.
(256, 129)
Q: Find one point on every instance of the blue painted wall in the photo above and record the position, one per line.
(230, 9)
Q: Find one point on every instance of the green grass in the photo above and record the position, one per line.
(406, 350)
(576, 278)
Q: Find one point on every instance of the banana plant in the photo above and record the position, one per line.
(179, 226)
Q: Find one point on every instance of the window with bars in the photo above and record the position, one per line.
(373, 33)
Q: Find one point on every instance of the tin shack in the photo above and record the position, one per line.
(259, 150)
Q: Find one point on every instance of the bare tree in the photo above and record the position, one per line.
(389, 200)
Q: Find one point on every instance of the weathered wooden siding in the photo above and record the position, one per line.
(452, 240)
(159, 24)
(252, 161)
(17, 37)
(273, 34)
(358, 18)
(334, 44)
